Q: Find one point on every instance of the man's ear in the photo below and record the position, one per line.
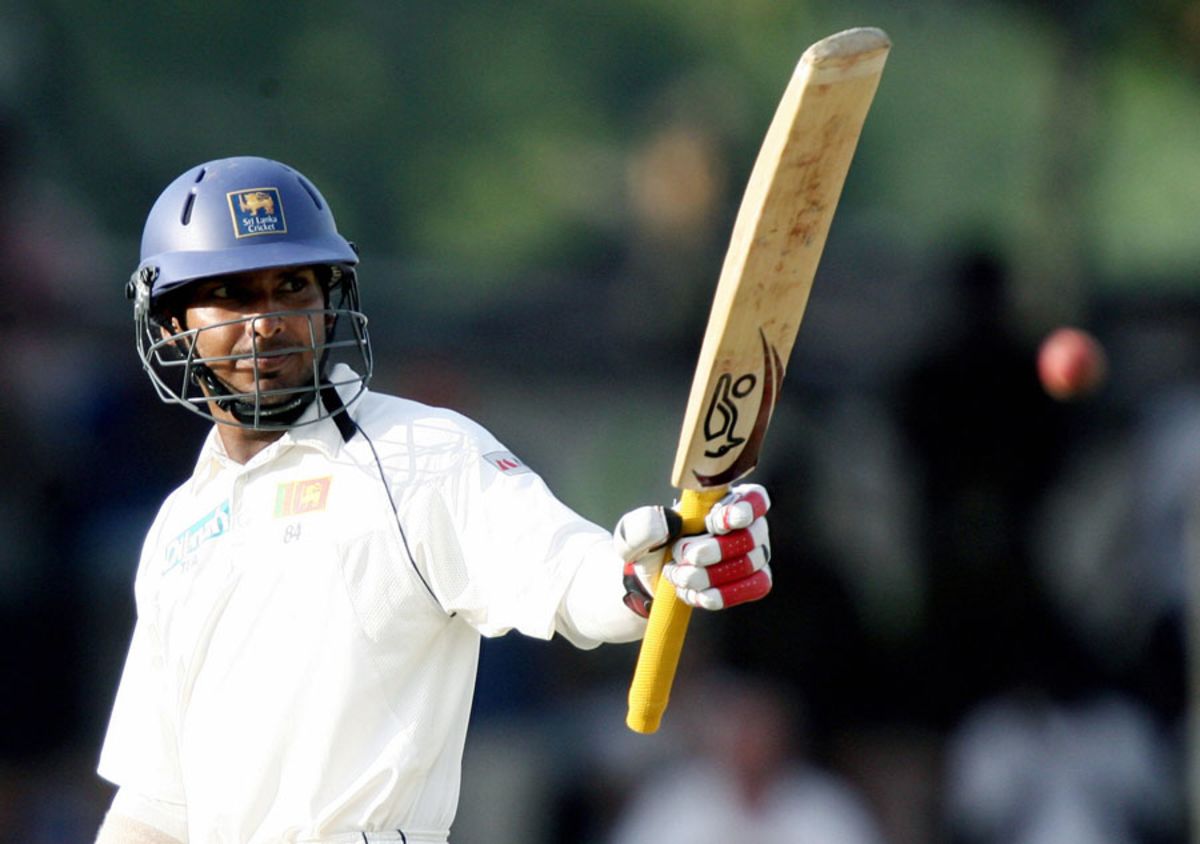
(170, 325)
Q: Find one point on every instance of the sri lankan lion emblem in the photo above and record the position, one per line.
(254, 201)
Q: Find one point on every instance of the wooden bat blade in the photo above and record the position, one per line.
(761, 295)
(773, 253)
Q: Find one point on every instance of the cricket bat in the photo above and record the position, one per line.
(761, 295)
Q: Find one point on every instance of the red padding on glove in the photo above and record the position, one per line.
(747, 589)
(757, 502)
(735, 544)
(729, 571)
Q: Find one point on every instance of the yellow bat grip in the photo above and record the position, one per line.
(669, 616)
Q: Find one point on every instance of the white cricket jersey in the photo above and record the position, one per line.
(303, 661)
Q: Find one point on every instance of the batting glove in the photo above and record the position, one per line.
(727, 566)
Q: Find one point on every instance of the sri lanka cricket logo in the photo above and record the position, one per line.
(256, 211)
(725, 406)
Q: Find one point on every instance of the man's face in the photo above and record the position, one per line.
(249, 303)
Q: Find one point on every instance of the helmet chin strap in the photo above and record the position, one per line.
(248, 412)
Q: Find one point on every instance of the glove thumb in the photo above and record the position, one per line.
(641, 538)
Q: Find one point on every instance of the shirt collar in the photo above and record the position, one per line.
(320, 435)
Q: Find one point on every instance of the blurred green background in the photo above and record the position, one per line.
(542, 194)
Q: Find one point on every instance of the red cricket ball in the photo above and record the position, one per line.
(1071, 363)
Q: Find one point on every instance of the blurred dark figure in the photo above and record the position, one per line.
(986, 442)
(34, 614)
(71, 518)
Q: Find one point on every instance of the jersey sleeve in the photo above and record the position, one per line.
(515, 552)
(140, 751)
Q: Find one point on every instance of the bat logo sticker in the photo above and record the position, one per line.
(721, 421)
(722, 418)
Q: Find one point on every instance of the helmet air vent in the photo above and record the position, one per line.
(186, 217)
(200, 175)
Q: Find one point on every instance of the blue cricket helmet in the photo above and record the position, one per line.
(240, 215)
(235, 215)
